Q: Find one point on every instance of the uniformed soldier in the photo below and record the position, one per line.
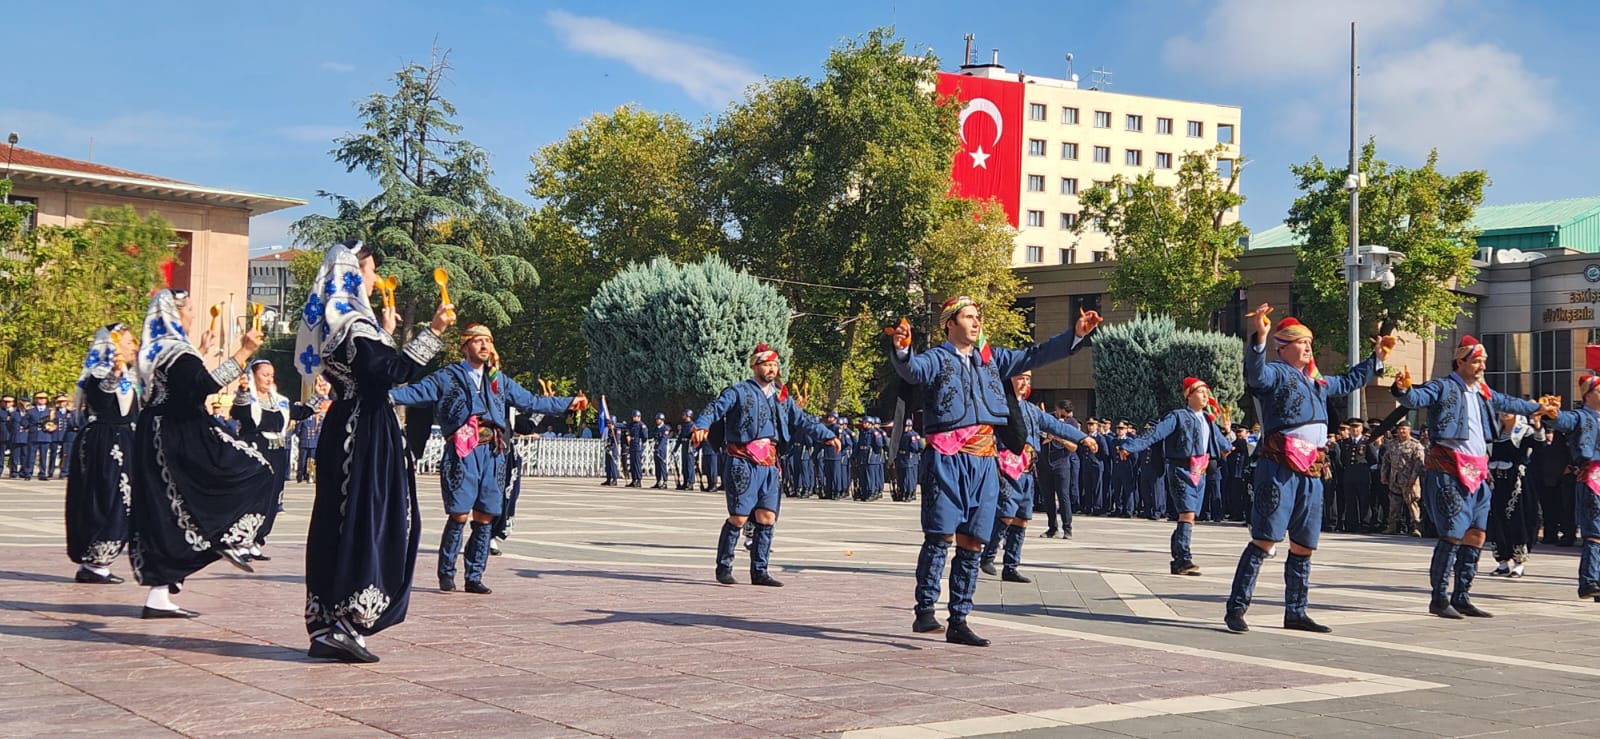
(66, 419)
(686, 450)
(9, 418)
(661, 434)
(635, 434)
(613, 439)
(39, 421)
(1089, 474)
(1124, 476)
(1058, 475)
(905, 463)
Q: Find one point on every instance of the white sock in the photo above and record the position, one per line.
(98, 569)
(160, 599)
(255, 550)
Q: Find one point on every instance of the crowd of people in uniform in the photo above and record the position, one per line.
(34, 439)
(153, 473)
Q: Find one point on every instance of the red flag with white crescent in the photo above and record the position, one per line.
(989, 164)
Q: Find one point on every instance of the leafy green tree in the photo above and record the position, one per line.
(621, 188)
(969, 253)
(832, 185)
(1421, 213)
(436, 207)
(59, 285)
(1174, 246)
(664, 336)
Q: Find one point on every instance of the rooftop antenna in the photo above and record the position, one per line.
(1071, 75)
(1102, 78)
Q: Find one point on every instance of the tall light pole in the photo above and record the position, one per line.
(1352, 275)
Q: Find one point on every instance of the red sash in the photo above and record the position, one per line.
(761, 451)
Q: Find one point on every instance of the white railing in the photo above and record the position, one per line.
(542, 457)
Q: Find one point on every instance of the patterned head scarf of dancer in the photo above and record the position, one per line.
(163, 338)
(336, 309)
(102, 360)
(1290, 330)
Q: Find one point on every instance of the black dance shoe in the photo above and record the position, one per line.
(1186, 568)
(926, 623)
(1466, 608)
(149, 612)
(95, 578)
(762, 578)
(726, 577)
(1010, 574)
(1589, 590)
(1050, 534)
(960, 633)
(237, 560)
(1443, 609)
(340, 646)
(1304, 623)
(988, 567)
(447, 583)
(477, 586)
(262, 557)
(1235, 622)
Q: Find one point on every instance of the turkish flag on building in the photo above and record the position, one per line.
(989, 165)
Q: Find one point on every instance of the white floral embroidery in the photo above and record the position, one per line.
(315, 612)
(241, 446)
(364, 607)
(126, 486)
(191, 533)
(349, 443)
(101, 553)
(136, 558)
(116, 453)
(243, 531)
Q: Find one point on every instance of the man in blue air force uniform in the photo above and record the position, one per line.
(962, 379)
(759, 421)
(686, 451)
(470, 400)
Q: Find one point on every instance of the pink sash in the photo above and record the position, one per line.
(761, 451)
(950, 442)
(1469, 469)
(1014, 465)
(466, 437)
(1591, 476)
(1197, 468)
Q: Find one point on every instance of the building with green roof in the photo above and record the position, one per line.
(1564, 226)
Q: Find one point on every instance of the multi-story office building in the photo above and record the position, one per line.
(1070, 138)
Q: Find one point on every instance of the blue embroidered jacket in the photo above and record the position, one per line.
(1036, 423)
(1182, 435)
(1445, 399)
(962, 391)
(1289, 398)
(748, 414)
(455, 400)
(1582, 428)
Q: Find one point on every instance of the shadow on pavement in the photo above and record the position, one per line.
(738, 623)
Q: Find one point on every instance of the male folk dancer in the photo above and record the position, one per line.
(1288, 486)
(1017, 482)
(470, 400)
(1455, 487)
(759, 421)
(962, 378)
(1582, 428)
(1191, 443)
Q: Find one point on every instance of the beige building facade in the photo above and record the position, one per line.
(213, 224)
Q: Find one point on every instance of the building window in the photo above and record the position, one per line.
(1035, 183)
(1133, 158)
(1099, 226)
(1135, 123)
(1069, 150)
(1225, 169)
(1068, 220)
(1196, 129)
(1069, 186)
(1163, 160)
(1035, 147)
(1224, 133)
(1035, 255)
(1552, 363)
(1507, 355)
(1102, 154)
(1069, 116)
(1036, 219)
(1069, 256)
(1102, 119)
(1164, 126)
(1035, 111)
(32, 220)
(1099, 256)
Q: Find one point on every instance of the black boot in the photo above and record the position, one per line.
(1466, 569)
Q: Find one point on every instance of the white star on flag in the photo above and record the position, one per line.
(979, 158)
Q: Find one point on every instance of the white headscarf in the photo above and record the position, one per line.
(163, 338)
(278, 402)
(336, 309)
(101, 362)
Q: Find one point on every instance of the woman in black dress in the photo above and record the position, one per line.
(198, 492)
(1510, 511)
(263, 417)
(98, 484)
(362, 544)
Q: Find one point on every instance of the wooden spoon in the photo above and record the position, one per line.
(215, 311)
(443, 278)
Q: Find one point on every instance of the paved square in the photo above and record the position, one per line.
(605, 621)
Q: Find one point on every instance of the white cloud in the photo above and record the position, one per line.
(313, 133)
(710, 77)
(1285, 39)
(339, 67)
(1465, 99)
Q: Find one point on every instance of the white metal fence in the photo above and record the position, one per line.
(542, 457)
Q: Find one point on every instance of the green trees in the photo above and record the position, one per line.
(1174, 249)
(436, 207)
(59, 285)
(1420, 213)
(664, 336)
(1139, 367)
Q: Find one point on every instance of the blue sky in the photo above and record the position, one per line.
(250, 95)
